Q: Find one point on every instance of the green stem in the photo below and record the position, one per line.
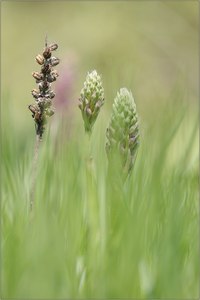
(92, 214)
(34, 171)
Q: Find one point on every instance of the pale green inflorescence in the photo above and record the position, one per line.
(123, 131)
(91, 99)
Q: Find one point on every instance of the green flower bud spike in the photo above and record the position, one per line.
(91, 99)
(123, 132)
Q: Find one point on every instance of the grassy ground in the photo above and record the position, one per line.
(89, 235)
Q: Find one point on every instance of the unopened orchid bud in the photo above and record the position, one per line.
(40, 59)
(91, 94)
(53, 47)
(46, 69)
(123, 130)
(35, 93)
(88, 112)
(47, 53)
(49, 112)
(51, 94)
(32, 109)
(54, 73)
(55, 61)
(51, 78)
(47, 103)
(37, 76)
(43, 86)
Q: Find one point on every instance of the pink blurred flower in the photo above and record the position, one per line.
(62, 125)
(65, 84)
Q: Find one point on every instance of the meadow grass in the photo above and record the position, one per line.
(89, 235)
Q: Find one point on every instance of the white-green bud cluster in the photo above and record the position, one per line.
(123, 132)
(91, 99)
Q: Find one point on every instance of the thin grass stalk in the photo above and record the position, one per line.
(92, 210)
(34, 170)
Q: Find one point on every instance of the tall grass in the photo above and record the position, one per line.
(105, 240)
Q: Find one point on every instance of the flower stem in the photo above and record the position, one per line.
(34, 170)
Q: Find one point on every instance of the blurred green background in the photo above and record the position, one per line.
(147, 46)
(143, 239)
(150, 47)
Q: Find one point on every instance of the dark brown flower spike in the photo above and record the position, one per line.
(44, 95)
